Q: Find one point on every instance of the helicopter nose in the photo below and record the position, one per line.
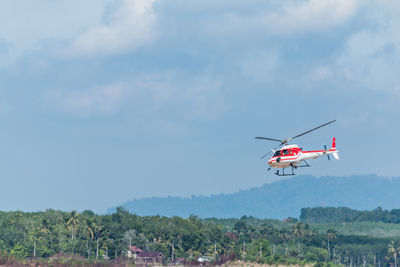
(274, 162)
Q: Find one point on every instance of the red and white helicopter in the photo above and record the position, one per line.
(293, 155)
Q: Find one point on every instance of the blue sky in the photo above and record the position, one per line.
(104, 101)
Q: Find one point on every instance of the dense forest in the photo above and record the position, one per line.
(107, 237)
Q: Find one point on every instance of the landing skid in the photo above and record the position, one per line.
(283, 173)
(293, 167)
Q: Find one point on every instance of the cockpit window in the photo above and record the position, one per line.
(285, 152)
(277, 153)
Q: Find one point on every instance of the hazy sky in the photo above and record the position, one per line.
(104, 101)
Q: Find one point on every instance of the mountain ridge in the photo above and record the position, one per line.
(279, 199)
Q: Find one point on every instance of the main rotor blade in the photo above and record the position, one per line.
(270, 139)
(266, 154)
(272, 150)
(312, 129)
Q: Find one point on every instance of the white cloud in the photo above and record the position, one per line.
(282, 18)
(27, 25)
(312, 15)
(171, 93)
(321, 73)
(130, 26)
(371, 57)
(194, 96)
(73, 27)
(261, 66)
(100, 100)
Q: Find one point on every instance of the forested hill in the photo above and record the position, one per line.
(280, 199)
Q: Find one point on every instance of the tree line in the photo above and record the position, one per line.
(51, 232)
(344, 214)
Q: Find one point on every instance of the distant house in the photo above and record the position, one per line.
(149, 257)
(133, 252)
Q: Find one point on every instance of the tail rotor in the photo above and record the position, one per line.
(326, 151)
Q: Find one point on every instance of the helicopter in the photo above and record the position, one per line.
(293, 156)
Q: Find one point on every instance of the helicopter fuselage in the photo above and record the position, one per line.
(293, 155)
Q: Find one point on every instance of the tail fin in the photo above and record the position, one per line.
(335, 154)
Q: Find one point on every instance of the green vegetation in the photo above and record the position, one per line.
(373, 229)
(99, 238)
(343, 215)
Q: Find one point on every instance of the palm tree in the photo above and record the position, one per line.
(393, 251)
(94, 232)
(285, 236)
(72, 223)
(297, 230)
(331, 234)
(309, 232)
(90, 228)
(44, 227)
